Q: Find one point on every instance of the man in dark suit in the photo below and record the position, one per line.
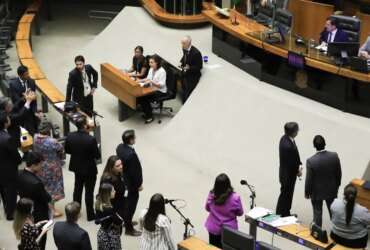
(18, 115)
(84, 152)
(30, 186)
(68, 235)
(323, 178)
(82, 82)
(191, 65)
(133, 175)
(9, 162)
(331, 33)
(18, 88)
(289, 168)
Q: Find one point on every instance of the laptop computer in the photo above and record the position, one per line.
(359, 64)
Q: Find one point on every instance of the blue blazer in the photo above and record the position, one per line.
(340, 36)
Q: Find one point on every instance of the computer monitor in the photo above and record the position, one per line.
(265, 246)
(235, 240)
(343, 49)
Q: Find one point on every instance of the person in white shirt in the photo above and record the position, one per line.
(156, 78)
(156, 226)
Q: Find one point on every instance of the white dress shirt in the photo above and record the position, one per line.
(160, 238)
(85, 80)
(159, 77)
(331, 36)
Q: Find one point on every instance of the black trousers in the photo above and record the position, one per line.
(317, 210)
(145, 103)
(89, 183)
(132, 200)
(286, 197)
(215, 240)
(8, 194)
(188, 85)
(87, 105)
(355, 243)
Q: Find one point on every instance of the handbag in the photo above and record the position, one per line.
(318, 233)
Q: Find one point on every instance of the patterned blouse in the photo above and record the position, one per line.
(160, 238)
(29, 234)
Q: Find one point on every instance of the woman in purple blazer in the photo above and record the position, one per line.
(223, 205)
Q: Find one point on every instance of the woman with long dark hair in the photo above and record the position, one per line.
(350, 220)
(223, 205)
(156, 226)
(156, 78)
(139, 67)
(109, 234)
(24, 228)
(113, 174)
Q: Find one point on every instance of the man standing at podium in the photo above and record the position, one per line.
(323, 178)
(191, 64)
(289, 168)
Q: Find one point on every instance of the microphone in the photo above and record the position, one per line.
(166, 201)
(243, 182)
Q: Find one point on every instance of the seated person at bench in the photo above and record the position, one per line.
(350, 220)
(364, 51)
(156, 78)
(331, 34)
(139, 67)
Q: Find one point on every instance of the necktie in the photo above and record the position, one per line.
(329, 39)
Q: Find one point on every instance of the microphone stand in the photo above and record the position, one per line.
(187, 222)
(252, 196)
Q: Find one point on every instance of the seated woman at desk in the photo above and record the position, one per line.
(350, 220)
(156, 78)
(139, 68)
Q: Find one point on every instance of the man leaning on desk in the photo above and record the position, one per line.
(331, 33)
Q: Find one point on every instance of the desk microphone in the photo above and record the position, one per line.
(244, 182)
(166, 201)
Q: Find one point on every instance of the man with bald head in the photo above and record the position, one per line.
(191, 65)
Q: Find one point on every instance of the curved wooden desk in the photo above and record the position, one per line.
(247, 26)
(158, 13)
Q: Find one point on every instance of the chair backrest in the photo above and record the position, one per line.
(350, 25)
(265, 11)
(170, 82)
(265, 246)
(284, 19)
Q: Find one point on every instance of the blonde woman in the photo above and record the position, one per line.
(109, 234)
(24, 228)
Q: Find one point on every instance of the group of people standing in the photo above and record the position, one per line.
(323, 179)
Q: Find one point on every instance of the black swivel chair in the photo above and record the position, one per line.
(264, 15)
(351, 25)
(284, 20)
(170, 95)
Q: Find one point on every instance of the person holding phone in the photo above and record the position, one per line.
(29, 233)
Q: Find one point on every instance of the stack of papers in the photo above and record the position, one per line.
(60, 105)
(283, 221)
(322, 47)
(258, 212)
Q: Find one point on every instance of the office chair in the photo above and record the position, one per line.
(157, 104)
(284, 20)
(351, 25)
(264, 15)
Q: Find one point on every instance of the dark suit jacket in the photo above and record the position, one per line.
(30, 186)
(69, 236)
(324, 175)
(340, 36)
(17, 90)
(133, 170)
(289, 160)
(75, 87)
(18, 117)
(195, 61)
(9, 159)
(84, 152)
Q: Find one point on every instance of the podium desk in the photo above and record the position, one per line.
(124, 88)
(194, 243)
(363, 195)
